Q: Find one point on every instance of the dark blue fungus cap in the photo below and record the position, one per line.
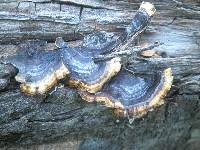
(133, 94)
(38, 70)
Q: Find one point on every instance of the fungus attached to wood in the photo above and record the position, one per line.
(89, 76)
(84, 73)
(133, 94)
(39, 70)
(139, 23)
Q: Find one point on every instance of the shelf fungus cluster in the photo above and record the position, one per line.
(106, 81)
(133, 94)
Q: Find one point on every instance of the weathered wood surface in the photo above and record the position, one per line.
(43, 19)
(63, 119)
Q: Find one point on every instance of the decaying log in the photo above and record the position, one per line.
(62, 118)
(22, 20)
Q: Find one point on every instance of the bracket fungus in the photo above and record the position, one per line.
(39, 70)
(90, 76)
(105, 81)
(84, 73)
(131, 94)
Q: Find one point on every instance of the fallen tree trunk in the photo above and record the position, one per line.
(44, 19)
(66, 121)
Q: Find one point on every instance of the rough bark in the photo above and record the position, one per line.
(43, 19)
(66, 121)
